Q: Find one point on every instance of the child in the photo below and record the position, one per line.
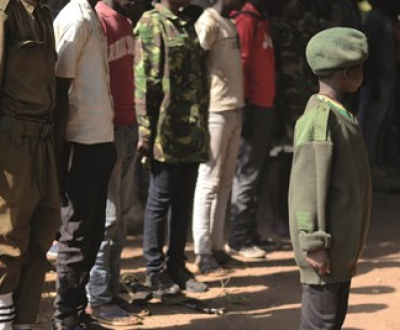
(330, 188)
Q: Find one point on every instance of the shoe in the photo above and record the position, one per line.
(250, 251)
(226, 260)
(59, 325)
(111, 314)
(186, 281)
(162, 284)
(208, 265)
(53, 252)
(269, 244)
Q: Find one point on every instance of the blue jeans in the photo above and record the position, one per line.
(104, 276)
(253, 152)
(171, 194)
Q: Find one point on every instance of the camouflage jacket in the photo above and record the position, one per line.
(293, 89)
(171, 93)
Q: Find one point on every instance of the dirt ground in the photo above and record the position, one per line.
(270, 289)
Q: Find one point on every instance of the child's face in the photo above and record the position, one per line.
(353, 78)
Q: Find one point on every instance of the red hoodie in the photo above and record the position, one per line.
(257, 56)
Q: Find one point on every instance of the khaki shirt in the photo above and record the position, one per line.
(27, 88)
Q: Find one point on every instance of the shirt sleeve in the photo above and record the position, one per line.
(206, 31)
(148, 76)
(245, 26)
(310, 177)
(71, 35)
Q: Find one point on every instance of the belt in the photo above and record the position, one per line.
(26, 127)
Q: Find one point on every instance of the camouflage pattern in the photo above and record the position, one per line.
(309, 24)
(346, 13)
(171, 94)
(293, 90)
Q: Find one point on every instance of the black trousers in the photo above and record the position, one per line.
(81, 234)
(324, 307)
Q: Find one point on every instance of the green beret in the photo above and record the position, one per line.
(336, 48)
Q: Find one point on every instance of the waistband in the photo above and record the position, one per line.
(26, 128)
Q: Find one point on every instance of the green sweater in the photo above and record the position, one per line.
(330, 191)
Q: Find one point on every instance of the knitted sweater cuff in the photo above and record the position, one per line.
(318, 240)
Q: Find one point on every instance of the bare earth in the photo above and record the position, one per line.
(270, 289)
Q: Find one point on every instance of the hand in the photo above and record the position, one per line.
(143, 149)
(320, 261)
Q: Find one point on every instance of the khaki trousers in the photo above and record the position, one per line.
(29, 218)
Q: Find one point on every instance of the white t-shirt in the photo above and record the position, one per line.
(82, 56)
(218, 36)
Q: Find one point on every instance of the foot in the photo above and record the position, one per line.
(208, 265)
(59, 325)
(186, 280)
(226, 260)
(269, 244)
(162, 284)
(111, 314)
(250, 251)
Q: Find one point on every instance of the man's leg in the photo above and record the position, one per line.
(254, 146)
(227, 172)
(208, 183)
(44, 224)
(81, 235)
(180, 216)
(19, 197)
(126, 196)
(163, 179)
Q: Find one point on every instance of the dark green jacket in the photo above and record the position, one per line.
(330, 191)
(171, 91)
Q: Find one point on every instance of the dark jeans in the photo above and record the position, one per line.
(81, 235)
(324, 307)
(253, 152)
(171, 190)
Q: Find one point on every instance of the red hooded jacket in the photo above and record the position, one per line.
(257, 56)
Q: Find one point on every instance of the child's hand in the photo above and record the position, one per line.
(320, 261)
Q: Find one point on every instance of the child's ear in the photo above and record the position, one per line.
(346, 72)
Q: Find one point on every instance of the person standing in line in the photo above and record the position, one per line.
(330, 185)
(219, 38)
(377, 106)
(171, 99)
(259, 91)
(292, 93)
(85, 115)
(118, 18)
(29, 193)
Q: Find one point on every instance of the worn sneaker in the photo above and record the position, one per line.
(226, 260)
(111, 314)
(208, 265)
(186, 281)
(60, 325)
(162, 284)
(250, 251)
(269, 245)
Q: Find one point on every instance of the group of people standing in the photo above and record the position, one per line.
(193, 92)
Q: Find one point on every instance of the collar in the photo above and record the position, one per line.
(85, 4)
(336, 105)
(30, 5)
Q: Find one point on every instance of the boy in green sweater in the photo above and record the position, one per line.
(330, 186)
